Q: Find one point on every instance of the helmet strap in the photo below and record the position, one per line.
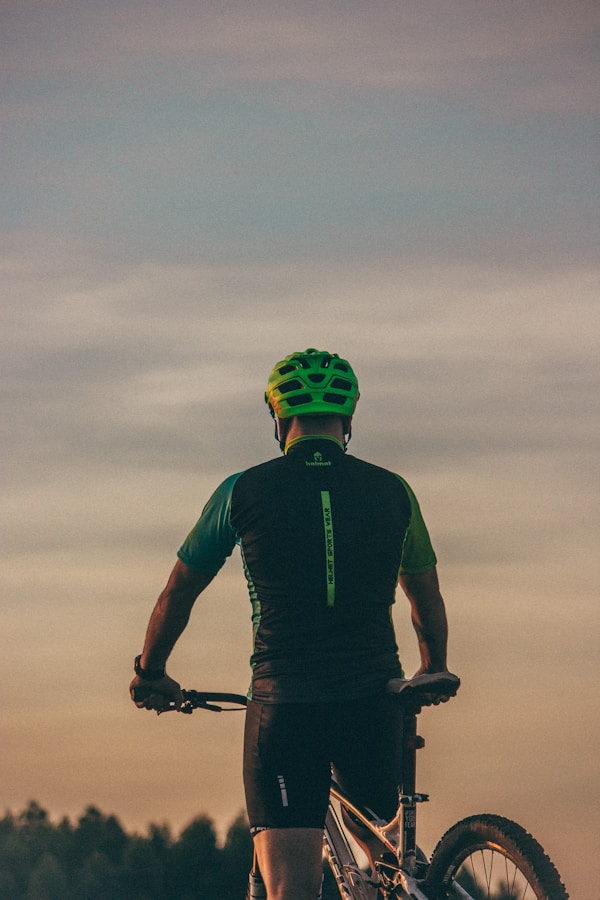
(347, 431)
(281, 429)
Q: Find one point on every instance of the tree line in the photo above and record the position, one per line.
(94, 858)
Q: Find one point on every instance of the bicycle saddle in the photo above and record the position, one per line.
(425, 690)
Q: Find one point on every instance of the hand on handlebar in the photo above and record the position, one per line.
(436, 698)
(424, 688)
(158, 695)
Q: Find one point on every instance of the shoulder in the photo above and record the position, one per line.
(256, 479)
(265, 466)
(224, 490)
(374, 471)
(261, 470)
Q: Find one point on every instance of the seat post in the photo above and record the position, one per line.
(411, 742)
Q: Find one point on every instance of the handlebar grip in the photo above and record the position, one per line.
(141, 692)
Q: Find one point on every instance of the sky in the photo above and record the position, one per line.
(191, 191)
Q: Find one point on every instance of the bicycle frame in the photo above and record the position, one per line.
(399, 868)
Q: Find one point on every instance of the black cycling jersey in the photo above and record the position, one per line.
(324, 537)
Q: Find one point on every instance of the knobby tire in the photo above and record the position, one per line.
(492, 858)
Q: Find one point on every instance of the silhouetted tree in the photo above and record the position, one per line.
(47, 880)
(236, 859)
(95, 859)
(99, 833)
(196, 861)
(98, 879)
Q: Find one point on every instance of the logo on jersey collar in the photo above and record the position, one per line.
(317, 460)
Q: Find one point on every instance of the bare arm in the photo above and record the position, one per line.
(429, 619)
(171, 614)
(168, 620)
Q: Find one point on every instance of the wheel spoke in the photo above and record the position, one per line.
(489, 874)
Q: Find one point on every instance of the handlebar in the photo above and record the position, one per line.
(213, 701)
(413, 693)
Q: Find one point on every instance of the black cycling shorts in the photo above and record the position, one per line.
(289, 749)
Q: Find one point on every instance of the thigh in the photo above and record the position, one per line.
(286, 766)
(368, 759)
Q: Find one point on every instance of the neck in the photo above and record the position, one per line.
(299, 427)
(313, 437)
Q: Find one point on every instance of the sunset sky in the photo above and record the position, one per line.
(193, 189)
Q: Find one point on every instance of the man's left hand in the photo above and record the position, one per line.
(158, 695)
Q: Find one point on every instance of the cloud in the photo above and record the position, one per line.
(277, 131)
(429, 46)
(165, 365)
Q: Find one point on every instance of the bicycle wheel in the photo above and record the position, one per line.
(491, 857)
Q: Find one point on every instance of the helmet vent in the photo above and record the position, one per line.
(285, 369)
(335, 398)
(341, 384)
(292, 385)
(299, 400)
(316, 379)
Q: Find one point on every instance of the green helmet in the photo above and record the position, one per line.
(312, 383)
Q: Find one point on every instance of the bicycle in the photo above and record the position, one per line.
(482, 856)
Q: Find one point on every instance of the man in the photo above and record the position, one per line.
(325, 538)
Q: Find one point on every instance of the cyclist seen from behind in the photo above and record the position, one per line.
(325, 538)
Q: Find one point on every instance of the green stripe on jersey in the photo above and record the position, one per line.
(329, 549)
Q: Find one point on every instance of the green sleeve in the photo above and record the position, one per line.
(212, 538)
(417, 552)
